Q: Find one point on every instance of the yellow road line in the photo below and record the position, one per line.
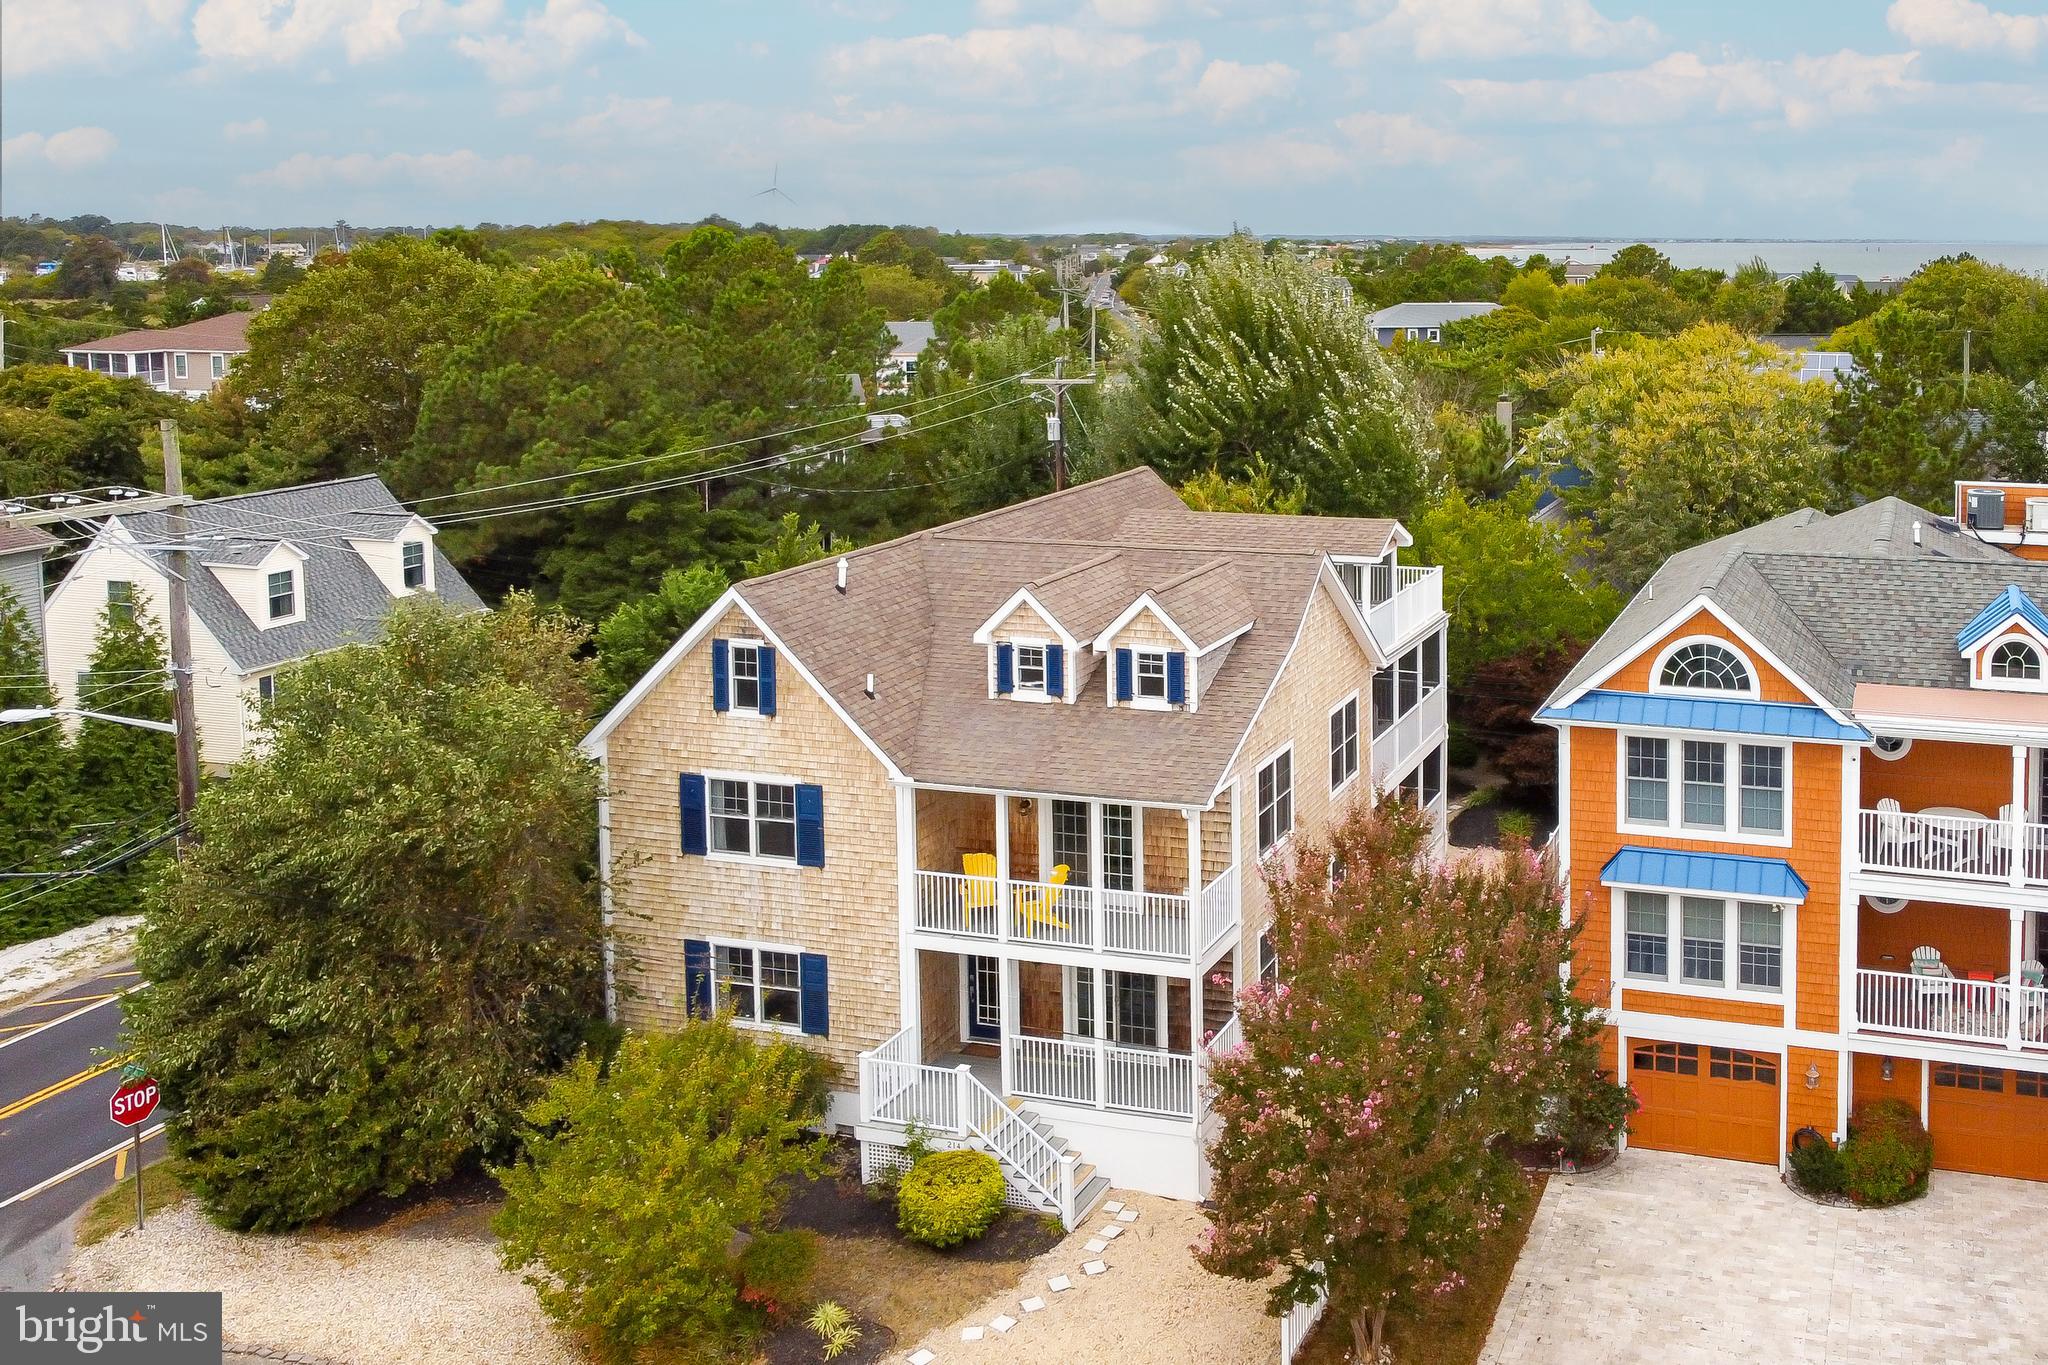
(77, 999)
(19, 1028)
(66, 1018)
(120, 1164)
(52, 1091)
(109, 976)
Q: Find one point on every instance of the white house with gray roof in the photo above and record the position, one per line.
(278, 576)
(1422, 321)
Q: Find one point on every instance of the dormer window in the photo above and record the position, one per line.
(1705, 666)
(412, 564)
(2016, 661)
(1151, 675)
(282, 592)
(1031, 668)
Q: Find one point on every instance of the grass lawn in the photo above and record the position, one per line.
(115, 1210)
(1447, 1331)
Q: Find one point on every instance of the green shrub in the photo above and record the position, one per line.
(1592, 1115)
(1818, 1167)
(837, 1332)
(775, 1267)
(949, 1198)
(636, 1183)
(1464, 750)
(1888, 1154)
(1517, 824)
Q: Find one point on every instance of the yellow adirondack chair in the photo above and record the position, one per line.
(1034, 903)
(981, 880)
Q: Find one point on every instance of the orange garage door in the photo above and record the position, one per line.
(1709, 1101)
(1989, 1121)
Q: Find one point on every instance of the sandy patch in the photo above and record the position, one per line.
(1153, 1306)
(428, 1292)
(28, 967)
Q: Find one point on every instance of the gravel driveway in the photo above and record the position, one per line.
(1680, 1260)
(1152, 1306)
(427, 1291)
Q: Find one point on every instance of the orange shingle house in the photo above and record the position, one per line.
(1803, 791)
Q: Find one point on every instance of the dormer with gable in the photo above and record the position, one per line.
(2005, 643)
(404, 560)
(268, 583)
(1031, 656)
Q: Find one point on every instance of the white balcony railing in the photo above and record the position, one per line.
(1102, 1075)
(1135, 923)
(1418, 599)
(1968, 847)
(1402, 744)
(1951, 1008)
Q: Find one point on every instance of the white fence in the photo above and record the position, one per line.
(1402, 744)
(1101, 1075)
(1136, 923)
(1296, 1325)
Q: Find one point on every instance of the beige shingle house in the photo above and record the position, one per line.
(979, 813)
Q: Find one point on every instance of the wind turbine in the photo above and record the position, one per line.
(775, 187)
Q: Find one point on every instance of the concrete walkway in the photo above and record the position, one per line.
(1680, 1260)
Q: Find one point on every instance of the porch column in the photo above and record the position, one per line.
(1196, 933)
(1095, 915)
(1195, 1014)
(2015, 990)
(1006, 1020)
(907, 991)
(1002, 801)
(1100, 1057)
(1852, 901)
(2016, 823)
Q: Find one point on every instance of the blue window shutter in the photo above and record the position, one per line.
(1006, 670)
(1177, 678)
(721, 676)
(810, 825)
(696, 978)
(1123, 675)
(767, 657)
(691, 802)
(1056, 670)
(813, 1009)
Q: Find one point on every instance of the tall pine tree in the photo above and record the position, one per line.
(37, 800)
(127, 776)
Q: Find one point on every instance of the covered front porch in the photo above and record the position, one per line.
(1953, 973)
(1076, 874)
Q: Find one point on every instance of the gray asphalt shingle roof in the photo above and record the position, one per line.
(1842, 599)
(345, 600)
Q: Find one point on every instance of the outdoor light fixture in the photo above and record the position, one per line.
(1813, 1075)
(1885, 1068)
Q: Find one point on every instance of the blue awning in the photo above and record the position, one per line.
(1722, 874)
(1778, 719)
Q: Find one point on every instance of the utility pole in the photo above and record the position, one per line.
(180, 625)
(1055, 425)
(1966, 364)
(3, 341)
(1596, 342)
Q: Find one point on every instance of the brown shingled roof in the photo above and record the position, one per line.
(228, 332)
(15, 539)
(912, 605)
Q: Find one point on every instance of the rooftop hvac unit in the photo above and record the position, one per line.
(1987, 509)
(2037, 514)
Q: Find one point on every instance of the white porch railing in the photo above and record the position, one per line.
(1137, 923)
(1967, 847)
(1226, 1038)
(1102, 1075)
(1418, 599)
(897, 1089)
(1951, 1008)
(1402, 744)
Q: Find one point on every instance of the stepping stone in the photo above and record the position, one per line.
(1127, 1216)
(922, 1357)
(1033, 1304)
(1003, 1323)
(1096, 1244)
(1093, 1267)
(1059, 1284)
(1113, 1206)
(1110, 1233)
(974, 1333)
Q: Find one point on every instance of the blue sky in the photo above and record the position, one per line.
(1779, 118)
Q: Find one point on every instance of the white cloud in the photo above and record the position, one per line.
(1274, 159)
(1488, 30)
(280, 32)
(1227, 88)
(1683, 85)
(55, 35)
(248, 128)
(1015, 65)
(560, 33)
(517, 103)
(305, 170)
(624, 116)
(70, 150)
(1403, 140)
(1968, 26)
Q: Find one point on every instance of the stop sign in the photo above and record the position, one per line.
(133, 1102)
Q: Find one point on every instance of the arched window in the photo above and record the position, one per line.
(1706, 666)
(2016, 661)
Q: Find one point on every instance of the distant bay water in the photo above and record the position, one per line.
(1868, 260)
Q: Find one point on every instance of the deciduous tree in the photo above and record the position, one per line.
(637, 633)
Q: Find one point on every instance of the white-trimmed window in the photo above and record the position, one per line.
(746, 676)
(120, 599)
(1276, 800)
(2016, 661)
(1729, 788)
(1269, 958)
(1720, 944)
(178, 364)
(412, 563)
(759, 985)
(752, 819)
(1344, 742)
(1148, 670)
(1706, 666)
(220, 366)
(266, 688)
(1031, 668)
(1891, 748)
(281, 590)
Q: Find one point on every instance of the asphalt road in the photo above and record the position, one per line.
(59, 1063)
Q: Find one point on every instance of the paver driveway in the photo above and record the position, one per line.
(1680, 1260)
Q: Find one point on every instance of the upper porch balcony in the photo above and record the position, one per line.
(1936, 811)
(1416, 599)
(1076, 876)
